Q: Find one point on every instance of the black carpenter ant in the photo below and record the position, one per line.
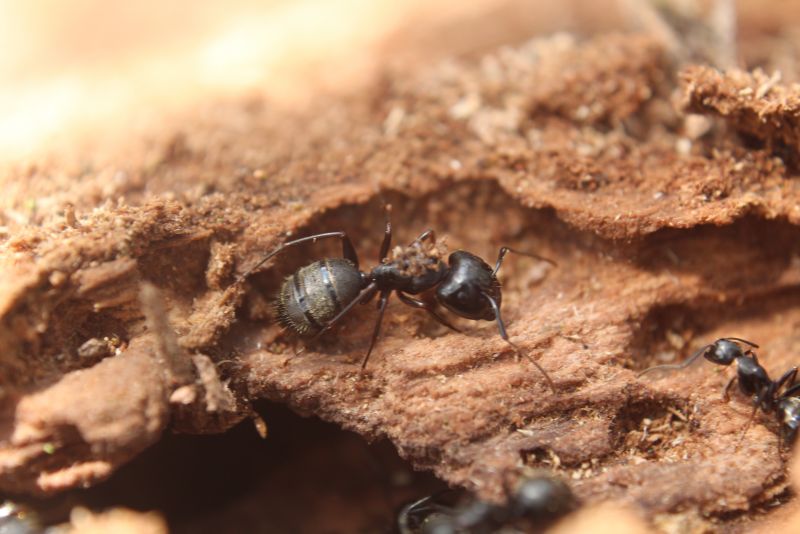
(319, 295)
(754, 381)
(537, 502)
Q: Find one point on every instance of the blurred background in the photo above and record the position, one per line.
(91, 68)
(89, 73)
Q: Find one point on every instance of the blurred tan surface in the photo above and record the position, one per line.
(68, 69)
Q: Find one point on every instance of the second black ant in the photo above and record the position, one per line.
(537, 502)
(754, 381)
(316, 297)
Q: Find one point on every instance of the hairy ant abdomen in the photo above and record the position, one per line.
(312, 296)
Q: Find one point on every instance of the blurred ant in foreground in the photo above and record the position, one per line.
(753, 382)
(319, 295)
(537, 502)
(17, 519)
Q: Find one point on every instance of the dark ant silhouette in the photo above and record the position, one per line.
(788, 412)
(754, 381)
(538, 501)
(319, 295)
(18, 519)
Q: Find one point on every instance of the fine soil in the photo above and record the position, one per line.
(665, 192)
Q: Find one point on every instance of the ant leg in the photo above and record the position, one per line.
(749, 421)
(369, 296)
(725, 396)
(381, 308)
(791, 391)
(504, 335)
(787, 378)
(348, 251)
(684, 365)
(387, 235)
(505, 250)
(758, 401)
(427, 234)
(414, 303)
(366, 293)
(295, 353)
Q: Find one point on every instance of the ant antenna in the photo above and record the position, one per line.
(740, 340)
(503, 334)
(528, 357)
(505, 250)
(683, 365)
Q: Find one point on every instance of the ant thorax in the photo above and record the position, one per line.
(418, 258)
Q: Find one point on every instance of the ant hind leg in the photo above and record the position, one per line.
(348, 251)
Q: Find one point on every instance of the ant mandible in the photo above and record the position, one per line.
(316, 297)
(754, 381)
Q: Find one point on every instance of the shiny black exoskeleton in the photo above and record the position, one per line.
(754, 381)
(319, 295)
(535, 504)
(787, 409)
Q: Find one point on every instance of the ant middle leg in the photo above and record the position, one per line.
(381, 308)
(503, 334)
(414, 303)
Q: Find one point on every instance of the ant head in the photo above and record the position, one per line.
(723, 352)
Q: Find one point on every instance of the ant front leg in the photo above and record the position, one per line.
(726, 390)
(749, 420)
(348, 251)
(758, 402)
(502, 328)
(414, 303)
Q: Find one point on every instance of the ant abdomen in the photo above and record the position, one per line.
(312, 296)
